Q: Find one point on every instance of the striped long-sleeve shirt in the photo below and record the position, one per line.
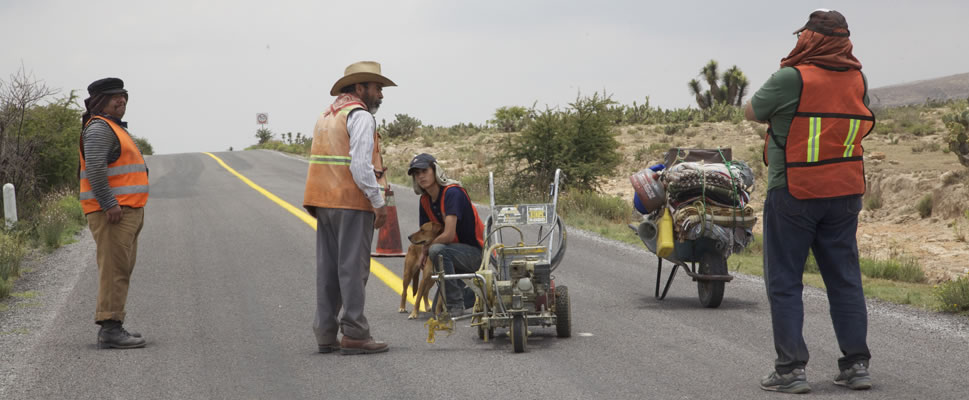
(101, 147)
(361, 126)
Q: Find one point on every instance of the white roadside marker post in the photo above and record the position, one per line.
(9, 204)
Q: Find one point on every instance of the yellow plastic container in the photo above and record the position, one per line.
(664, 243)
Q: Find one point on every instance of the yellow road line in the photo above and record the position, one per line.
(387, 276)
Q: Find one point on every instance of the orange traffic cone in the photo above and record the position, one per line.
(388, 240)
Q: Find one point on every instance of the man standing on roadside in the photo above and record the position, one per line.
(114, 191)
(343, 194)
(816, 107)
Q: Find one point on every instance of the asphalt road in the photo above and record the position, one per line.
(224, 292)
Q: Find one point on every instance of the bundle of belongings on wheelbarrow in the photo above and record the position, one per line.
(705, 192)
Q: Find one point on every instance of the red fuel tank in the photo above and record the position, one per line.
(649, 188)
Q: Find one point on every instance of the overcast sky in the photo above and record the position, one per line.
(199, 71)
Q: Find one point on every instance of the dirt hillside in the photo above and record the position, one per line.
(901, 169)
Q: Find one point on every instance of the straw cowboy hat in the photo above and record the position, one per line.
(361, 72)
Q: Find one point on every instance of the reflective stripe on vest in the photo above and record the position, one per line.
(127, 176)
(478, 225)
(814, 136)
(330, 160)
(329, 183)
(823, 152)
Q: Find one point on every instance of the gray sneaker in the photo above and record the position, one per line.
(855, 377)
(793, 382)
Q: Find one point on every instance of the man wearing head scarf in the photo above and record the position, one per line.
(343, 194)
(114, 191)
(816, 108)
(460, 243)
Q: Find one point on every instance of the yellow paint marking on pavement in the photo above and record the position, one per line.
(379, 270)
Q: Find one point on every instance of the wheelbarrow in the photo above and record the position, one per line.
(704, 258)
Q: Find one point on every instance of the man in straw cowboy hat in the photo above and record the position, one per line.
(816, 107)
(343, 194)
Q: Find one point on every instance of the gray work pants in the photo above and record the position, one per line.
(343, 239)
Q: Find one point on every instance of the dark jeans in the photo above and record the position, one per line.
(826, 226)
(459, 258)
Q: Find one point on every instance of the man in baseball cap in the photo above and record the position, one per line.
(816, 108)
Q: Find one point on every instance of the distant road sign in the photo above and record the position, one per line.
(262, 118)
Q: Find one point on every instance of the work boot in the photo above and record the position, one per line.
(855, 377)
(792, 382)
(350, 346)
(113, 335)
(132, 334)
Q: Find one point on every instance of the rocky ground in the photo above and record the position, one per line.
(901, 169)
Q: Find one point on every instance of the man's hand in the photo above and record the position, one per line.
(424, 252)
(749, 113)
(114, 215)
(380, 216)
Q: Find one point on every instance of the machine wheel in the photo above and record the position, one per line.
(563, 312)
(711, 292)
(519, 333)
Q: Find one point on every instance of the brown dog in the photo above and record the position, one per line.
(421, 285)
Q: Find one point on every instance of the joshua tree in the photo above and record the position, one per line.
(731, 88)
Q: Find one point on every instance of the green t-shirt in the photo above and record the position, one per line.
(777, 102)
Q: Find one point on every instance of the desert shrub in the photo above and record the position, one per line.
(463, 129)
(926, 146)
(873, 200)
(924, 206)
(403, 126)
(902, 269)
(811, 265)
(68, 203)
(143, 145)
(263, 135)
(12, 250)
(957, 139)
(511, 119)
(673, 129)
(52, 223)
(279, 145)
(642, 154)
(904, 119)
(960, 227)
(954, 295)
(610, 208)
(578, 140)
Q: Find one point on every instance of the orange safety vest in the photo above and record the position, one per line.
(823, 153)
(127, 176)
(478, 226)
(329, 183)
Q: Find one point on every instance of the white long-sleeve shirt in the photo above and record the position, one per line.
(361, 125)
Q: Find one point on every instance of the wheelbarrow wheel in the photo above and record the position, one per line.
(711, 292)
(563, 312)
(519, 333)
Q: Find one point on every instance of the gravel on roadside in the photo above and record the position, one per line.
(48, 279)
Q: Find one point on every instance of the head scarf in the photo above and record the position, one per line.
(93, 106)
(815, 48)
(439, 174)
